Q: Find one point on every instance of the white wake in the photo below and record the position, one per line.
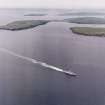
(37, 62)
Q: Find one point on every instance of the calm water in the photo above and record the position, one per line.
(25, 83)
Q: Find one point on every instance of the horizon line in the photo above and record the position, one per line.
(51, 8)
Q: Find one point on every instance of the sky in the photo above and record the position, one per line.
(53, 3)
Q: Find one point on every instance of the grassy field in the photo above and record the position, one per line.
(23, 24)
(89, 31)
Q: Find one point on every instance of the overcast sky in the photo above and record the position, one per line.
(54, 3)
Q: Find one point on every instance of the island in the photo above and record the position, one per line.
(89, 31)
(23, 24)
(86, 20)
(82, 14)
(35, 14)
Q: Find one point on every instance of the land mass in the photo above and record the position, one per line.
(86, 20)
(89, 31)
(35, 14)
(82, 14)
(23, 24)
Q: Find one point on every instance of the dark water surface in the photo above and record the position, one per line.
(25, 83)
